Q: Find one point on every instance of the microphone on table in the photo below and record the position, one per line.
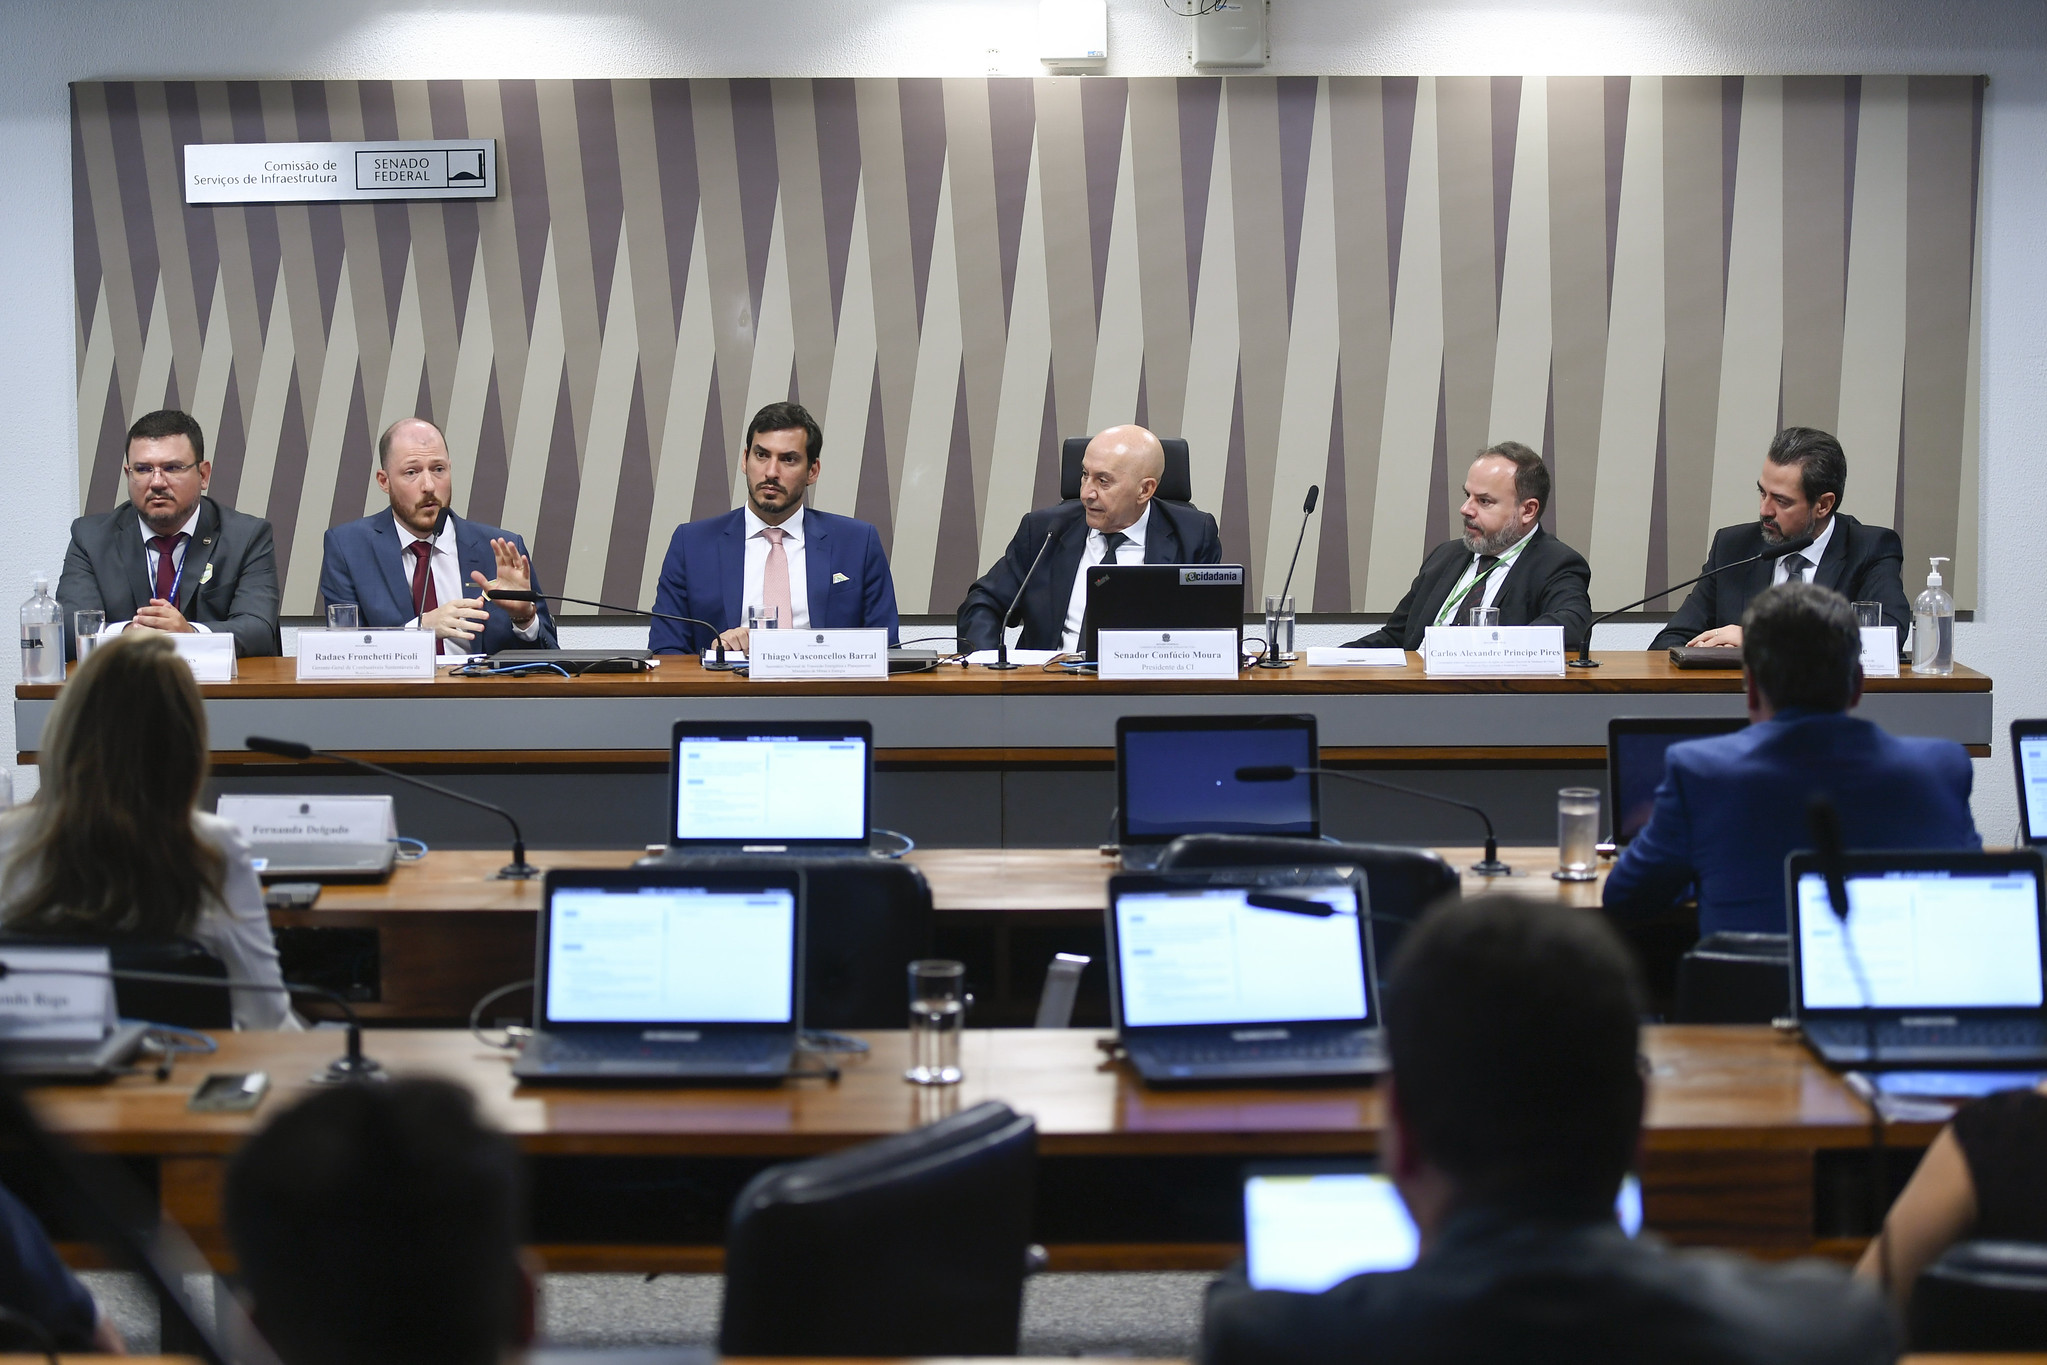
(526, 595)
(1789, 547)
(516, 870)
(1008, 617)
(1488, 866)
(1271, 657)
(351, 1065)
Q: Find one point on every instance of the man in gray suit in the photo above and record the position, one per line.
(172, 558)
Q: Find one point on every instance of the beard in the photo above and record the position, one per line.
(1772, 534)
(1495, 542)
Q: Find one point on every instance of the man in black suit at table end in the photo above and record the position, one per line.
(1116, 520)
(1513, 1111)
(1504, 559)
(1804, 476)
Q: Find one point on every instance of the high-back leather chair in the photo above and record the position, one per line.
(1175, 485)
(1733, 978)
(1981, 1296)
(913, 1245)
(200, 1007)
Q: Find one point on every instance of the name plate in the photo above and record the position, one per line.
(1492, 651)
(362, 655)
(782, 655)
(212, 657)
(1879, 651)
(77, 1009)
(311, 819)
(1167, 654)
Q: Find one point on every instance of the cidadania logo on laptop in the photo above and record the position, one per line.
(1232, 573)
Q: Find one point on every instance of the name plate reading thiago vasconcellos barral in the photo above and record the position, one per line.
(365, 655)
(1166, 654)
(1493, 651)
(787, 655)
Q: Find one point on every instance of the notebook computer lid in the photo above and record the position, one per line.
(1635, 747)
(1177, 775)
(1162, 597)
(1959, 933)
(2029, 765)
(653, 946)
(1284, 946)
(779, 786)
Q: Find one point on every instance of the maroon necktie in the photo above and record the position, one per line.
(166, 565)
(424, 598)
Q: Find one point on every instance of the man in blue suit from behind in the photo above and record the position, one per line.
(825, 571)
(420, 564)
(1732, 807)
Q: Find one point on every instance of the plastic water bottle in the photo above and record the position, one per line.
(1933, 626)
(42, 636)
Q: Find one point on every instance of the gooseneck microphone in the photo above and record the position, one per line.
(516, 870)
(1002, 630)
(1488, 866)
(1271, 659)
(1789, 547)
(525, 595)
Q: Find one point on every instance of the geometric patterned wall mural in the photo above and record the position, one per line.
(1352, 281)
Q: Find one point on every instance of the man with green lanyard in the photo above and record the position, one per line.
(1504, 560)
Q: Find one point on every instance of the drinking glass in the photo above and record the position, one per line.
(763, 618)
(1483, 616)
(1279, 627)
(1577, 834)
(938, 1011)
(85, 631)
(1869, 613)
(344, 616)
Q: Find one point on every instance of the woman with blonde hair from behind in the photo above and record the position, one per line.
(114, 843)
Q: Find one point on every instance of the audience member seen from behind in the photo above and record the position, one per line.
(381, 1225)
(114, 844)
(1731, 807)
(1984, 1177)
(1513, 1112)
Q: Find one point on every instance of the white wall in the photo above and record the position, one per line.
(46, 43)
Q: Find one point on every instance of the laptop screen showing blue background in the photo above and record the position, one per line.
(1185, 782)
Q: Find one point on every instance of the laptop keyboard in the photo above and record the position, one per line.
(1201, 1052)
(1969, 1033)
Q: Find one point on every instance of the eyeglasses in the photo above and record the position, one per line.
(143, 473)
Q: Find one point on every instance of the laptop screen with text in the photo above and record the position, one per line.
(1209, 955)
(627, 954)
(770, 785)
(1925, 939)
(2032, 756)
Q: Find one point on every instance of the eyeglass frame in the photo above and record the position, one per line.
(145, 472)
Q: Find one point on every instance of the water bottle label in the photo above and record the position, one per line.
(31, 642)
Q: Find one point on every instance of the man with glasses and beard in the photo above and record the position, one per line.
(171, 558)
(1504, 559)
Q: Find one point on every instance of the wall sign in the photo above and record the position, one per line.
(297, 172)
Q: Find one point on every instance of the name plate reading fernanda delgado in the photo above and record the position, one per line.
(1166, 654)
(322, 172)
(365, 655)
(785, 655)
(1493, 651)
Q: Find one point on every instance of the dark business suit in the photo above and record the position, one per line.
(229, 581)
(1178, 533)
(1496, 1287)
(845, 575)
(1731, 807)
(364, 562)
(1862, 563)
(1546, 585)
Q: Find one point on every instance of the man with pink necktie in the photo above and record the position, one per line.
(815, 568)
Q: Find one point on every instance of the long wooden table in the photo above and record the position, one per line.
(1740, 1123)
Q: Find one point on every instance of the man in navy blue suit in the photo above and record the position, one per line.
(818, 569)
(1731, 807)
(410, 566)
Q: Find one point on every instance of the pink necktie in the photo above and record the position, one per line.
(775, 579)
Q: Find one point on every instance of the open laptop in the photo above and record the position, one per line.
(1950, 946)
(1177, 775)
(1249, 975)
(666, 974)
(770, 787)
(2029, 761)
(1309, 1225)
(576, 661)
(1635, 747)
(1162, 597)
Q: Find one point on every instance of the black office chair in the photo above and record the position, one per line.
(914, 1245)
(1175, 485)
(1981, 1296)
(1403, 882)
(1733, 978)
(865, 920)
(201, 1007)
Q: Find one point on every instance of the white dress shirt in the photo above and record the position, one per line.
(149, 558)
(1780, 572)
(445, 564)
(751, 591)
(1076, 605)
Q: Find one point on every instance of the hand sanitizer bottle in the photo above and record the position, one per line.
(1933, 626)
(42, 638)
